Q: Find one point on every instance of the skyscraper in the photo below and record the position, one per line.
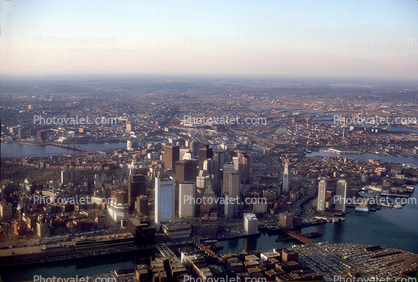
(244, 166)
(234, 180)
(250, 223)
(137, 186)
(185, 170)
(194, 147)
(171, 156)
(187, 199)
(204, 154)
(341, 195)
(285, 186)
(219, 157)
(227, 169)
(322, 194)
(164, 200)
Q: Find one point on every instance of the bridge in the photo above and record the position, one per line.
(72, 147)
(299, 237)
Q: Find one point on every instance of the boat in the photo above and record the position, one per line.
(313, 235)
(398, 206)
(362, 208)
(216, 247)
(387, 205)
(211, 242)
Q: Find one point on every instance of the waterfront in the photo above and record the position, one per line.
(84, 266)
(395, 228)
(25, 150)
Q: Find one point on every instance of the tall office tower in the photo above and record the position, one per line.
(204, 154)
(234, 182)
(128, 127)
(209, 166)
(119, 206)
(235, 161)
(171, 156)
(341, 195)
(244, 166)
(322, 195)
(186, 170)
(164, 200)
(187, 199)
(230, 207)
(137, 186)
(250, 223)
(194, 147)
(220, 159)
(227, 169)
(285, 186)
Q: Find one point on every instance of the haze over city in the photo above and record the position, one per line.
(298, 38)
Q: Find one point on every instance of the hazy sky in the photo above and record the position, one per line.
(281, 37)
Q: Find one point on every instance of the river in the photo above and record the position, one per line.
(24, 150)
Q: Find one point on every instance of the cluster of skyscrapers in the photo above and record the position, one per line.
(325, 202)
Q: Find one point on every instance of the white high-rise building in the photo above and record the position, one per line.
(341, 195)
(322, 195)
(250, 223)
(165, 200)
(227, 169)
(129, 145)
(186, 199)
(285, 186)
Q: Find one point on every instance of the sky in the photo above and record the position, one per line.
(349, 38)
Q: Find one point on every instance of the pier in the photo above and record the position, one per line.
(299, 237)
